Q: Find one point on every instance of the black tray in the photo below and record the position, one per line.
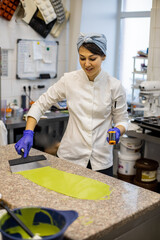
(151, 123)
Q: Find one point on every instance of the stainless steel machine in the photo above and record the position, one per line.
(150, 98)
(150, 105)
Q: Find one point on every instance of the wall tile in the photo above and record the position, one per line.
(156, 74)
(6, 85)
(157, 38)
(62, 65)
(149, 73)
(154, 4)
(62, 52)
(153, 18)
(158, 3)
(156, 57)
(158, 18)
(151, 37)
(153, 71)
(150, 57)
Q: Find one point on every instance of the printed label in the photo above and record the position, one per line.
(148, 176)
(126, 168)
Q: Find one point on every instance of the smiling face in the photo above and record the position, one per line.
(90, 63)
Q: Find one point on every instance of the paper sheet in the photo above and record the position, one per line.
(28, 66)
(37, 50)
(69, 184)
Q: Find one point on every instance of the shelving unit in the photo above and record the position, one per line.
(139, 73)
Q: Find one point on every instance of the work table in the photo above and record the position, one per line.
(48, 119)
(127, 208)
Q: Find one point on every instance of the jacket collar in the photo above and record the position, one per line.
(97, 78)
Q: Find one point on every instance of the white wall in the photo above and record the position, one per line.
(101, 17)
(85, 16)
(12, 88)
(153, 71)
(74, 29)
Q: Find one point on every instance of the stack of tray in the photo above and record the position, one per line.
(151, 123)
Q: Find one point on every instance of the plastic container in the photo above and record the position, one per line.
(8, 112)
(130, 145)
(158, 175)
(153, 186)
(126, 178)
(126, 163)
(146, 170)
(49, 223)
(15, 110)
(3, 109)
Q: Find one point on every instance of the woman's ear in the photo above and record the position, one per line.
(103, 58)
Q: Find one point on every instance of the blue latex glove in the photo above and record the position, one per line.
(118, 134)
(25, 143)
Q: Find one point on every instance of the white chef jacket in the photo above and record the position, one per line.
(92, 106)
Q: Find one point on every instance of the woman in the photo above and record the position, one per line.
(95, 100)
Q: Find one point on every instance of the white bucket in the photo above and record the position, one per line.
(130, 145)
(126, 163)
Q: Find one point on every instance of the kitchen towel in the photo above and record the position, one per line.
(68, 184)
(3, 134)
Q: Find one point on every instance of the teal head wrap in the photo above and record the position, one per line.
(98, 39)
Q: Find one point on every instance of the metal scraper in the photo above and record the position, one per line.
(28, 163)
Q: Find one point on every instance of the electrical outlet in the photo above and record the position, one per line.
(24, 88)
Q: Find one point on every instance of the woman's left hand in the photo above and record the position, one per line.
(117, 134)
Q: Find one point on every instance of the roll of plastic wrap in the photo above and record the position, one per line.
(150, 85)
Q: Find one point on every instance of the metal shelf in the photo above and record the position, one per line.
(144, 136)
(136, 72)
(140, 72)
(140, 57)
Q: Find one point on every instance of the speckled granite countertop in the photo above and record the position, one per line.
(97, 219)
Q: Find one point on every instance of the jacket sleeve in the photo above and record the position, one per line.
(119, 106)
(53, 95)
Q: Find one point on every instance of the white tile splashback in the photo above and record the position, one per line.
(153, 72)
(156, 57)
(157, 37)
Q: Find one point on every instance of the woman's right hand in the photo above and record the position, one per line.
(25, 143)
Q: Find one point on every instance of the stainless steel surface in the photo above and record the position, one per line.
(15, 123)
(29, 166)
(151, 101)
(144, 136)
(151, 123)
(28, 163)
